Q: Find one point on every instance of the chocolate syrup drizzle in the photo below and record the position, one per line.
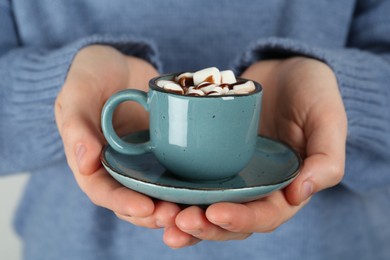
(186, 82)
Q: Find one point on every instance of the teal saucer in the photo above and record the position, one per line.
(273, 166)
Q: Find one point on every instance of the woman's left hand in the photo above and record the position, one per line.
(302, 106)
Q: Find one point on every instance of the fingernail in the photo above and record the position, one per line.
(80, 151)
(306, 190)
(224, 225)
(194, 232)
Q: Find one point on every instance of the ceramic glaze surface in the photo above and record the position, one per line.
(272, 167)
(214, 135)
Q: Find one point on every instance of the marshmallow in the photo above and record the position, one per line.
(227, 77)
(225, 90)
(230, 92)
(185, 74)
(207, 88)
(194, 92)
(174, 87)
(244, 88)
(161, 83)
(217, 91)
(185, 79)
(211, 75)
(209, 81)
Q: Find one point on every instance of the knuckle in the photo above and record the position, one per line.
(272, 220)
(336, 173)
(237, 228)
(272, 225)
(93, 200)
(122, 217)
(67, 128)
(243, 236)
(116, 201)
(93, 194)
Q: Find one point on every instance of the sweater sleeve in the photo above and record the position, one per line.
(31, 78)
(362, 70)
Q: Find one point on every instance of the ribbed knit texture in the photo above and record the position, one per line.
(39, 39)
(31, 80)
(361, 77)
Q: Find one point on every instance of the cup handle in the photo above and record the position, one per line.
(108, 129)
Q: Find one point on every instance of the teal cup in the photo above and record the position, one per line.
(208, 138)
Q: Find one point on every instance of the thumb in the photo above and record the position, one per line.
(81, 137)
(83, 144)
(324, 165)
(318, 172)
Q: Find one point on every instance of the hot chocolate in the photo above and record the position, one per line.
(207, 82)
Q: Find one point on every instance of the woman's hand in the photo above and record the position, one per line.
(96, 73)
(302, 106)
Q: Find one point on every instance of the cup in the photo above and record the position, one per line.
(197, 138)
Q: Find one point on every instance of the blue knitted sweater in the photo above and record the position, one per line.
(39, 39)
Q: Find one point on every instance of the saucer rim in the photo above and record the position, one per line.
(288, 179)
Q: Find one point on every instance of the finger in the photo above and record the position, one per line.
(175, 238)
(147, 222)
(163, 216)
(106, 192)
(324, 165)
(264, 215)
(165, 213)
(194, 222)
(78, 123)
(83, 143)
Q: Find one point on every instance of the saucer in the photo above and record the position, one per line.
(273, 166)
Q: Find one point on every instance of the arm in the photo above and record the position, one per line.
(339, 84)
(362, 77)
(50, 103)
(31, 78)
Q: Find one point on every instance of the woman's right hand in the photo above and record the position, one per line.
(96, 73)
